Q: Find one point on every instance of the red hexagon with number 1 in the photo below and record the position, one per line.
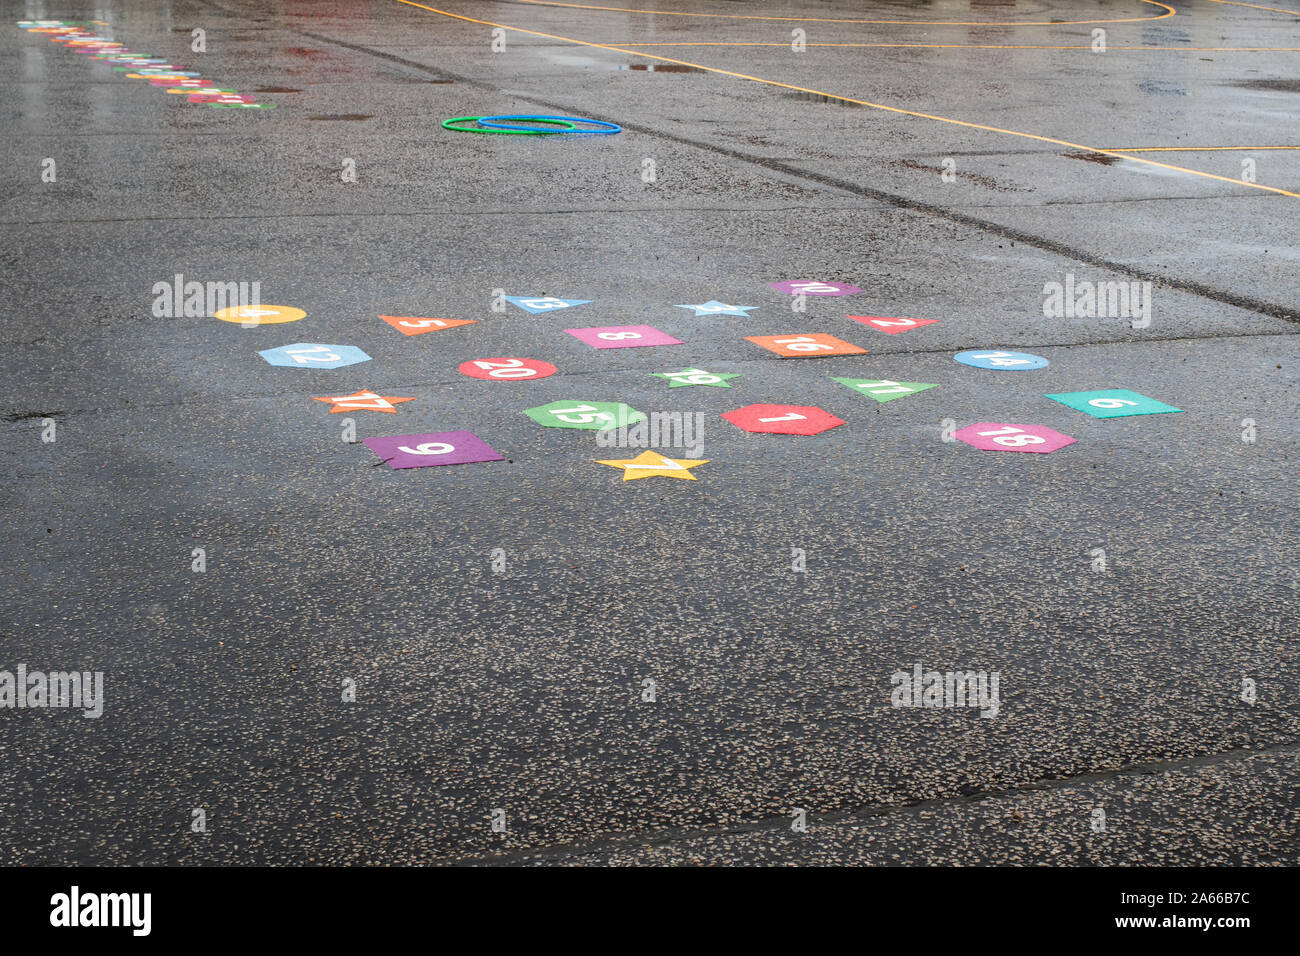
(783, 419)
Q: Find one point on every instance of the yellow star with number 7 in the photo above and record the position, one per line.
(650, 463)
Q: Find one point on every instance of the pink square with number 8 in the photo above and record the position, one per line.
(623, 336)
(995, 436)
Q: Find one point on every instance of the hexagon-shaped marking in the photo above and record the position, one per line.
(593, 416)
(314, 355)
(783, 419)
(999, 436)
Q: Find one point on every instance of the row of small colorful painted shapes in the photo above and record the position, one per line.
(137, 66)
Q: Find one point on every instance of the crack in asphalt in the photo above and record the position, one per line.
(16, 416)
(446, 213)
(666, 836)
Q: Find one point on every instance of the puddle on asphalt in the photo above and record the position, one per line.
(1161, 88)
(1271, 86)
(658, 68)
(822, 98)
(592, 63)
(1093, 158)
(343, 116)
(985, 181)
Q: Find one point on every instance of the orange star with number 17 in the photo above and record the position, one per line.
(363, 400)
(650, 463)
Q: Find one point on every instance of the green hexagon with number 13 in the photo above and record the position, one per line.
(595, 416)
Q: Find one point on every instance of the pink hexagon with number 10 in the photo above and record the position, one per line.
(998, 436)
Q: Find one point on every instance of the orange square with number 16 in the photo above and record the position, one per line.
(807, 345)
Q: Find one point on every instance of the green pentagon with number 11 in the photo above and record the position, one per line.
(594, 416)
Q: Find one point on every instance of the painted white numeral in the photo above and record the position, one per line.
(1015, 441)
(1001, 358)
(665, 464)
(792, 417)
(903, 322)
(422, 323)
(882, 388)
(814, 287)
(428, 448)
(578, 415)
(615, 336)
(363, 400)
(510, 368)
(544, 303)
(801, 344)
(1013, 437)
(308, 355)
(1110, 402)
(695, 376)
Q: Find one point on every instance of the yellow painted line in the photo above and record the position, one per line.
(1169, 12)
(992, 46)
(1192, 149)
(1238, 3)
(878, 106)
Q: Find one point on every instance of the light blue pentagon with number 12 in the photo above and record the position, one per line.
(314, 355)
(1000, 361)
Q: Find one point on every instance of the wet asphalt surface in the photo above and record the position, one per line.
(1121, 690)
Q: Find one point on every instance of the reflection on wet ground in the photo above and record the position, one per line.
(1271, 86)
(821, 98)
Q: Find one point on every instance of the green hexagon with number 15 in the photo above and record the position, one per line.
(595, 416)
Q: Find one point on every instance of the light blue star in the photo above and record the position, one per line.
(720, 308)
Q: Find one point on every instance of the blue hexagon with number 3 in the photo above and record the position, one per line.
(314, 355)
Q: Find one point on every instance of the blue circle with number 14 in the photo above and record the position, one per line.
(1000, 361)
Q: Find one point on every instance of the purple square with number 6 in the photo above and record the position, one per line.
(436, 448)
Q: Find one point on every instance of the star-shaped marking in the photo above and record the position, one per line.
(720, 308)
(696, 376)
(363, 400)
(650, 463)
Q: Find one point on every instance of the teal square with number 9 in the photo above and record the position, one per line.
(1112, 403)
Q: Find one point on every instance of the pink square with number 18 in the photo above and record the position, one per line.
(996, 436)
(622, 336)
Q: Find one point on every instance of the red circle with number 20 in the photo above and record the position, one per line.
(506, 369)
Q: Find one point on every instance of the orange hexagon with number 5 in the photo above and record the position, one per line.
(806, 345)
